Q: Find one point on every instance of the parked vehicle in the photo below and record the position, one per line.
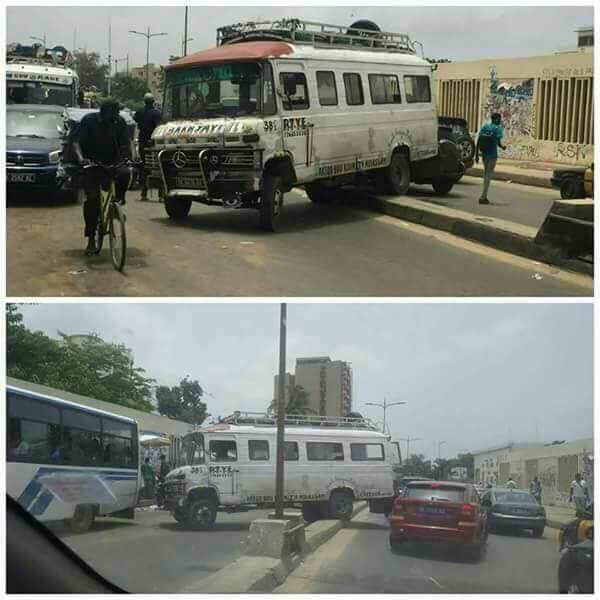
(287, 103)
(514, 509)
(33, 151)
(578, 529)
(574, 182)
(70, 462)
(439, 512)
(457, 130)
(576, 568)
(330, 463)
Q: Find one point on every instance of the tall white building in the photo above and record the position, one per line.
(327, 382)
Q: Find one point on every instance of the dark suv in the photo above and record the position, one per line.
(33, 151)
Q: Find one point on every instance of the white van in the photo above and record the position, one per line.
(284, 103)
(329, 464)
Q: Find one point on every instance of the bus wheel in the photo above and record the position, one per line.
(341, 505)
(271, 202)
(83, 518)
(202, 514)
(396, 176)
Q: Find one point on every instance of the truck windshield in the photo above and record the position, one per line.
(35, 92)
(193, 449)
(225, 90)
(33, 123)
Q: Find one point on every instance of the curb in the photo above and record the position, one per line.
(261, 574)
(504, 235)
(522, 178)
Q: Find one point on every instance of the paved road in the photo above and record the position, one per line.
(359, 560)
(340, 250)
(153, 554)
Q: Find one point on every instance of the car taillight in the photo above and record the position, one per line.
(468, 512)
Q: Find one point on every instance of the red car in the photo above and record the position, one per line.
(439, 511)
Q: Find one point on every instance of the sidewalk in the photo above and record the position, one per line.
(558, 515)
(527, 173)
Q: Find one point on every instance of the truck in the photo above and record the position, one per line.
(291, 103)
(39, 75)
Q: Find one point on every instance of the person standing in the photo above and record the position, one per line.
(488, 141)
(535, 487)
(579, 493)
(148, 477)
(147, 119)
(164, 468)
(511, 483)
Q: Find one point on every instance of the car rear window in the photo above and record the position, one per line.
(515, 497)
(427, 492)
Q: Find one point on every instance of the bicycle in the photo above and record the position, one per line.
(112, 218)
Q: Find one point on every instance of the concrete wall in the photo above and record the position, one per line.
(555, 466)
(545, 102)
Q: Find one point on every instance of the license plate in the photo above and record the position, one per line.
(431, 510)
(189, 182)
(20, 177)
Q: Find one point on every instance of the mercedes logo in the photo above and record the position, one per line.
(179, 159)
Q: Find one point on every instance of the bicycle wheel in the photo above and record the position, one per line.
(117, 237)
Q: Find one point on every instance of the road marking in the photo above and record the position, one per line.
(436, 582)
(583, 281)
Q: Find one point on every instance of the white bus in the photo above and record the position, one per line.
(329, 464)
(70, 462)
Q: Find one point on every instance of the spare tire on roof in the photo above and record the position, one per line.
(363, 24)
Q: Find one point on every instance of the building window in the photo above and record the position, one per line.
(459, 98)
(564, 110)
(354, 89)
(258, 449)
(385, 89)
(326, 88)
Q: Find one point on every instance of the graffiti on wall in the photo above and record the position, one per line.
(579, 152)
(521, 152)
(513, 99)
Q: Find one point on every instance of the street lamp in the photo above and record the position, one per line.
(39, 39)
(279, 476)
(147, 35)
(385, 406)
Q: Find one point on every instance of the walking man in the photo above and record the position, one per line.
(535, 488)
(148, 477)
(147, 119)
(488, 141)
(579, 493)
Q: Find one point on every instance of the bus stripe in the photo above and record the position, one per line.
(29, 493)
(42, 503)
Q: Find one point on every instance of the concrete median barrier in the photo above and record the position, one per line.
(258, 573)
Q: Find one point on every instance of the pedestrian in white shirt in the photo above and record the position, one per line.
(579, 493)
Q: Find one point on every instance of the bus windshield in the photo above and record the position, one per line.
(35, 92)
(228, 90)
(193, 449)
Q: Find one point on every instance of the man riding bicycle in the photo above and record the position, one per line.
(102, 137)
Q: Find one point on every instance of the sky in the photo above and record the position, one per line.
(454, 32)
(472, 375)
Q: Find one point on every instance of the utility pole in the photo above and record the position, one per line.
(118, 60)
(147, 35)
(185, 32)
(385, 406)
(184, 45)
(109, 58)
(279, 475)
(408, 440)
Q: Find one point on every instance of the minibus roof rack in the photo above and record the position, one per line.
(270, 420)
(319, 35)
(58, 56)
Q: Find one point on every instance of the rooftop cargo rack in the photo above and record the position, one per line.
(266, 419)
(320, 35)
(38, 55)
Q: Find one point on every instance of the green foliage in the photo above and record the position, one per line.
(128, 90)
(90, 70)
(89, 366)
(297, 402)
(182, 402)
(416, 465)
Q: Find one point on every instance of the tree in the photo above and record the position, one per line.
(297, 403)
(90, 70)
(89, 366)
(416, 465)
(182, 402)
(128, 90)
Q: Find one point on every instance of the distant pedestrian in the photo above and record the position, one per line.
(148, 477)
(511, 484)
(147, 119)
(535, 487)
(488, 140)
(164, 468)
(579, 493)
